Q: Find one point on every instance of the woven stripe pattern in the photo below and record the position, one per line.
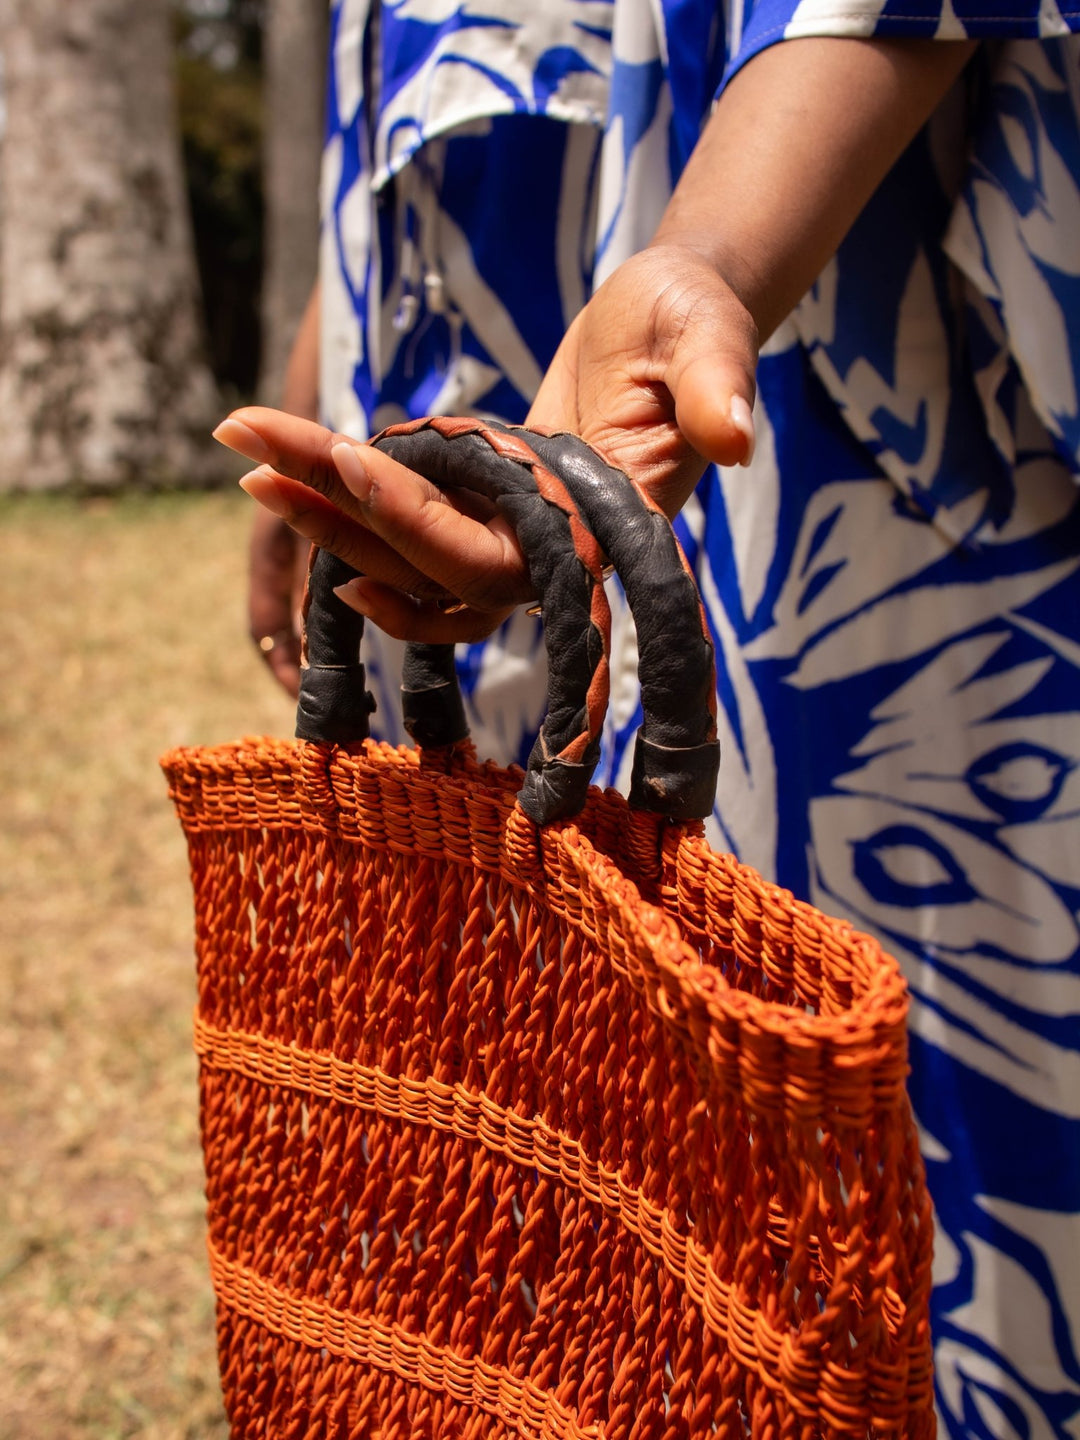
(575, 1132)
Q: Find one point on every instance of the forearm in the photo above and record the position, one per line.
(797, 144)
(277, 557)
(300, 389)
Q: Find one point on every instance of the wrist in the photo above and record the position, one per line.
(781, 171)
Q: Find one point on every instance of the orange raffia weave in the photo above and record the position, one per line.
(582, 1133)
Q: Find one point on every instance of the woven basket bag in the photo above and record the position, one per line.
(526, 1114)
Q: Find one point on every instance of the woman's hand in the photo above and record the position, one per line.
(657, 372)
(662, 356)
(422, 553)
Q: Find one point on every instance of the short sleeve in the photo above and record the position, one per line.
(767, 21)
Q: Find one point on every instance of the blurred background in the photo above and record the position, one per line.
(158, 233)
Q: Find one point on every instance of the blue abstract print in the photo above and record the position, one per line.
(893, 586)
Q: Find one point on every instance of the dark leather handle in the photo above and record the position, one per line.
(333, 704)
(568, 508)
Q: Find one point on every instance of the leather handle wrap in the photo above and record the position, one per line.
(568, 508)
(333, 704)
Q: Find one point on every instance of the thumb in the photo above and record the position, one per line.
(711, 378)
(713, 410)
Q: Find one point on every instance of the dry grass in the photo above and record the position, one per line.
(121, 633)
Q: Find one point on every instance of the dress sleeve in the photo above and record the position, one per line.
(767, 21)
(945, 329)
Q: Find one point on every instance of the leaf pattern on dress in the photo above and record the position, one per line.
(893, 586)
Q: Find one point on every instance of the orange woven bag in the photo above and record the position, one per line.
(576, 1130)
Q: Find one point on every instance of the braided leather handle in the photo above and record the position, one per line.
(568, 508)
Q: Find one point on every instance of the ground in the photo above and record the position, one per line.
(122, 634)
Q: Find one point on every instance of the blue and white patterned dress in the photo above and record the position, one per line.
(893, 586)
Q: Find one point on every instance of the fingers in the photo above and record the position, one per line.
(303, 450)
(286, 443)
(482, 564)
(406, 618)
(377, 515)
(324, 524)
(383, 599)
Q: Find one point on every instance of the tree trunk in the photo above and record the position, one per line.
(102, 377)
(294, 62)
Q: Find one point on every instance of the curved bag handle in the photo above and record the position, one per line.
(569, 509)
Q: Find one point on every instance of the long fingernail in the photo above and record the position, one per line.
(350, 594)
(261, 485)
(742, 418)
(352, 470)
(238, 436)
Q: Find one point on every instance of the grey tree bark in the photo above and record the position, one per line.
(102, 377)
(294, 61)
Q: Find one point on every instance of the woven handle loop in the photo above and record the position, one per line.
(571, 512)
